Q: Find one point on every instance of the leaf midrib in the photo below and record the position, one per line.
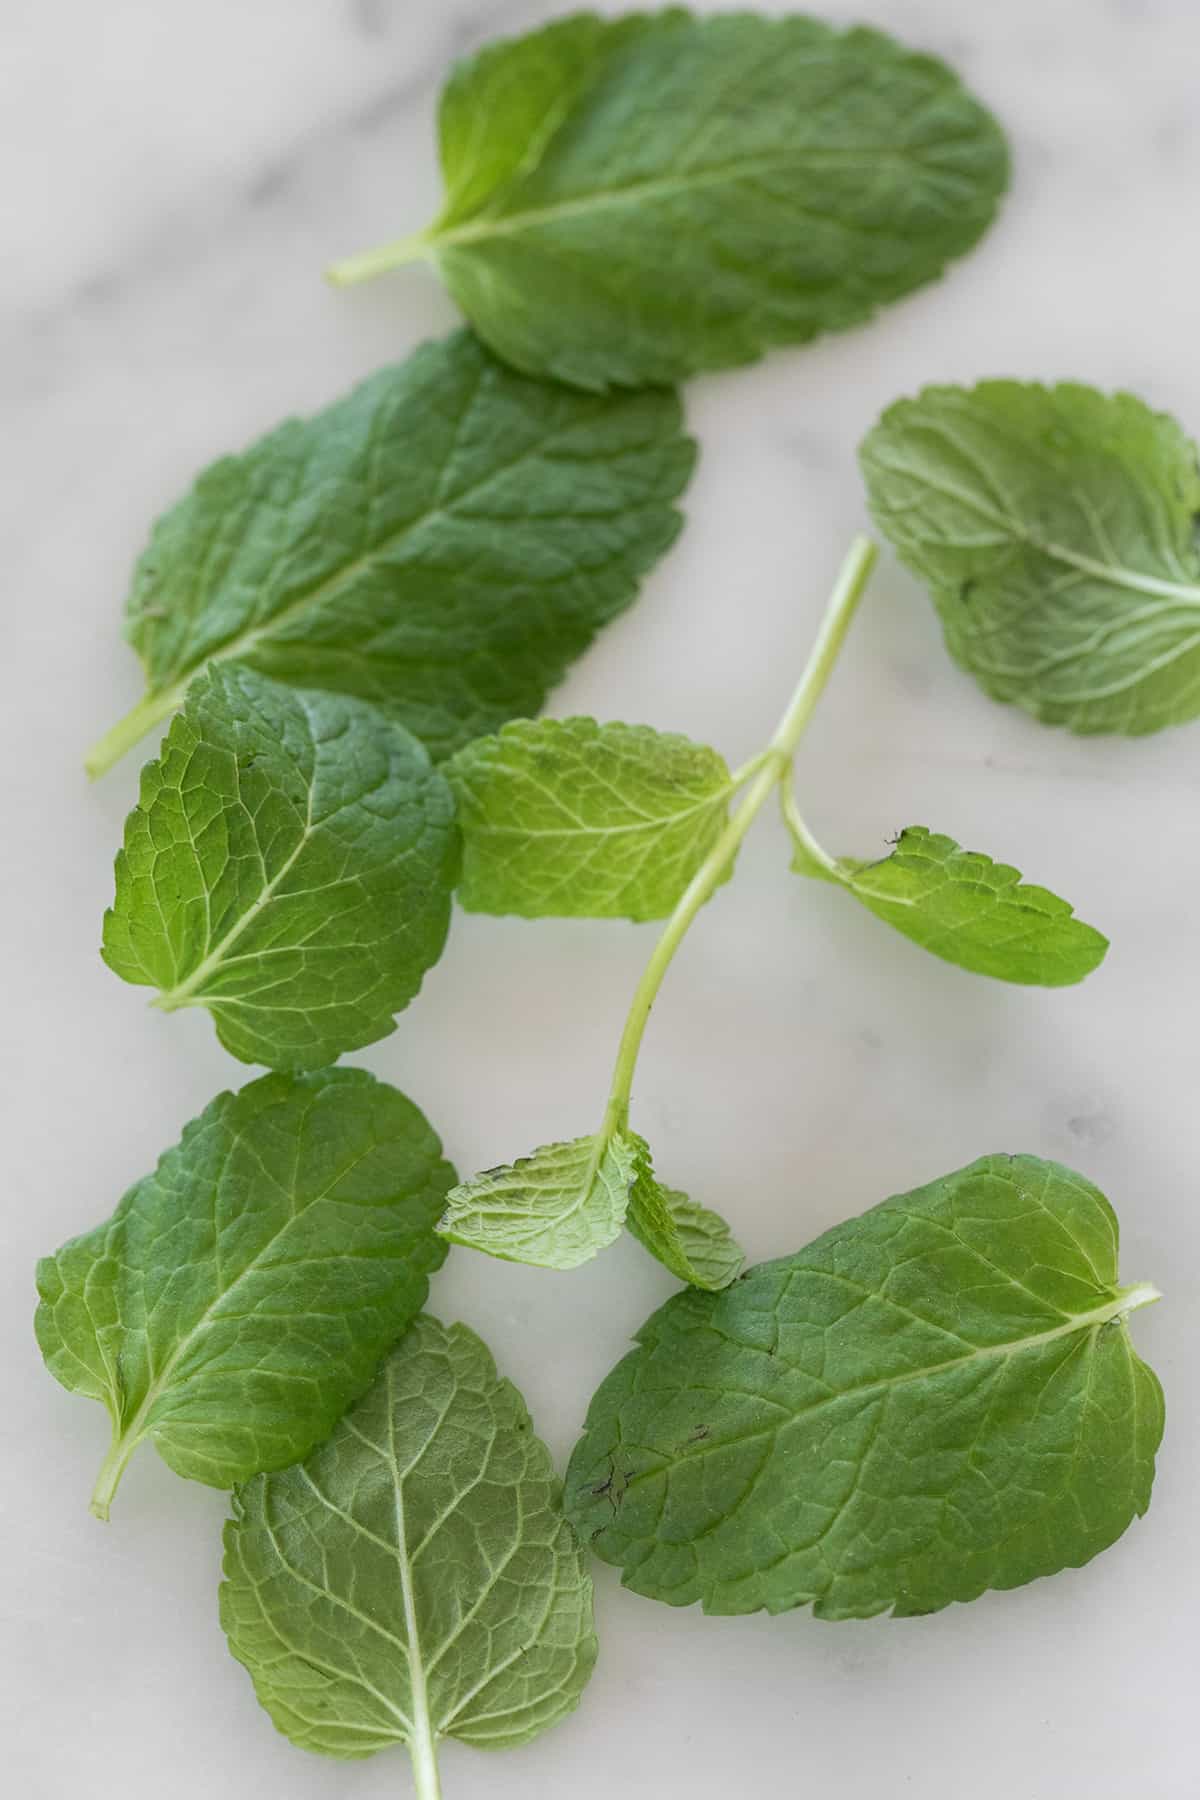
(1117, 574)
(665, 822)
(1123, 1302)
(423, 1737)
(184, 991)
(661, 187)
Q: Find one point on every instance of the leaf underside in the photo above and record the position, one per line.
(974, 912)
(1056, 530)
(934, 1399)
(635, 199)
(424, 1537)
(695, 1244)
(555, 1208)
(443, 542)
(569, 819)
(289, 865)
(240, 1297)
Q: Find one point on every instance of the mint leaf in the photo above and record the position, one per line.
(289, 865)
(415, 1578)
(568, 818)
(635, 199)
(443, 542)
(1056, 529)
(689, 1240)
(241, 1296)
(934, 1399)
(556, 1207)
(971, 911)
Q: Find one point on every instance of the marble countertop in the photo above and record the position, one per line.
(178, 176)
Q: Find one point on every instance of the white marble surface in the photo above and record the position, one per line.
(177, 175)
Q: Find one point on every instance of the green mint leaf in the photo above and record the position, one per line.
(934, 1399)
(555, 1208)
(241, 1296)
(693, 1243)
(443, 542)
(1056, 529)
(567, 818)
(633, 200)
(972, 911)
(289, 865)
(414, 1579)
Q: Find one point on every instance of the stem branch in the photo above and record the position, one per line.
(773, 765)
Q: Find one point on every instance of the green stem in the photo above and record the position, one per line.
(150, 709)
(812, 857)
(423, 1752)
(774, 763)
(111, 1470)
(369, 263)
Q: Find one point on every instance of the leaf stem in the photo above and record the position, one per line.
(111, 1470)
(384, 257)
(1142, 1293)
(127, 731)
(812, 856)
(774, 763)
(422, 1750)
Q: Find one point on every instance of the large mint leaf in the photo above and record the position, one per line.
(289, 865)
(414, 1579)
(443, 542)
(241, 1296)
(635, 199)
(556, 1207)
(568, 818)
(972, 911)
(1056, 529)
(934, 1399)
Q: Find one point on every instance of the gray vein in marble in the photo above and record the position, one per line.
(168, 247)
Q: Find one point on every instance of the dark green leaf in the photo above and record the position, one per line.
(443, 542)
(241, 1296)
(934, 1399)
(289, 865)
(630, 200)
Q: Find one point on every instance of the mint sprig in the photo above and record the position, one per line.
(566, 1202)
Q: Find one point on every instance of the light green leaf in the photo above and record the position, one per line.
(934, 1399)
(289, 865)
(1056, 528)
(971, 911)
(630, 200)
(443, 542)
(555, 1208)
(567, 818)
(689, 1240)
(415, 1579)
(241, 1296)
